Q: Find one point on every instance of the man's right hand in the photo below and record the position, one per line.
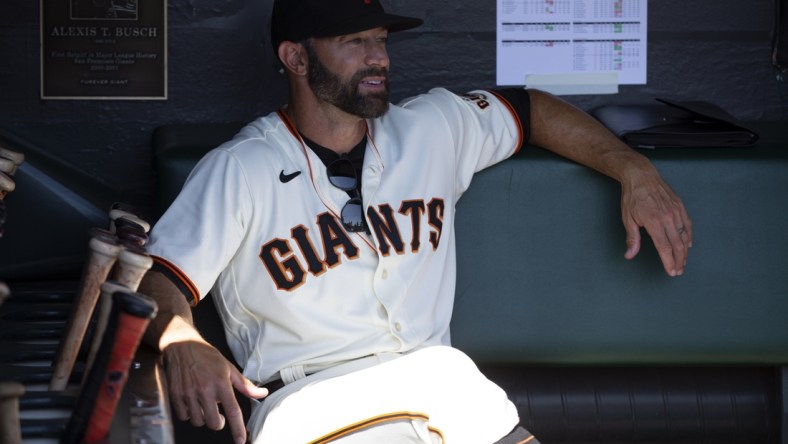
(198, 375)
(200, 379)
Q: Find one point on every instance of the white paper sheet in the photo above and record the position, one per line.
(572, 38)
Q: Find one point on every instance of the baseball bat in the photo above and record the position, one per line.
(14, 156)
(108, 288)
(117, 213)
(96, 404)
(7, 185)
(10, 392)
(133, 262)
(124, 206)
(104, 250)
(130, 232)
(125, 221)
(9, 163)
(4, 292)
(8, 166)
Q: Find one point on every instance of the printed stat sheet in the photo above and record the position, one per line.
(571, 37)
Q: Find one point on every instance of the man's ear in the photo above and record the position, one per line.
(293, 57)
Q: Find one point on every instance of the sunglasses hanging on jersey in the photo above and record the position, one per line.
(342, 175)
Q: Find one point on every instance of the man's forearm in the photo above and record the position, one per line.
(174, 322)
(647, 201)
(571, 133)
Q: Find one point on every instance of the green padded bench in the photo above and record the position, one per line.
(592, 347)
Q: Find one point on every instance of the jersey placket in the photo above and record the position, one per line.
(387, 285)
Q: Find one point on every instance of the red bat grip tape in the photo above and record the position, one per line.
(127, 339)
(92, 417)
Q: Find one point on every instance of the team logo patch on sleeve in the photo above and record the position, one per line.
(478, 98)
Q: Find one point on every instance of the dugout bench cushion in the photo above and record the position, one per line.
(541, 273)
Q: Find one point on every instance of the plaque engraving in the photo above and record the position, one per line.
(104, 49)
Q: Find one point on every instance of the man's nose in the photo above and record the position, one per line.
(377, 55)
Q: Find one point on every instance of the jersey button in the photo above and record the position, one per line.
(384, 274)
(398, 326)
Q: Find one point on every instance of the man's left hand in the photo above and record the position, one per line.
(648, 202)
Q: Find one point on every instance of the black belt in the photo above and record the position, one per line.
(274, 386)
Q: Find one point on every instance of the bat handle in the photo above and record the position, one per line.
(10, 431)
(133, 262)
(92, 416)
(108, 288)
(104, 251)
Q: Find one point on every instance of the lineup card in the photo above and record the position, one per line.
(571, 37)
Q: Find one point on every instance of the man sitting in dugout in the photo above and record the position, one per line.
(324, 232)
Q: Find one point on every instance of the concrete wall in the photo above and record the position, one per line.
(220, 70)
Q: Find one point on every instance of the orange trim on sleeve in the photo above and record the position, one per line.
(176, 272)
(374, 421)
(517, 120)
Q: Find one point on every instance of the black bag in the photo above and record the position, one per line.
(674, 124)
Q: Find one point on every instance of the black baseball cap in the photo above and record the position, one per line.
(298, 20)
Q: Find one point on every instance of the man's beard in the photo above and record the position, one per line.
(329, 87)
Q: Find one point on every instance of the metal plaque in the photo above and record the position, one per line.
(104, 49)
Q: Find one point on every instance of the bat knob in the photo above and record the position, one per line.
(7, 184)
(135, 304)
(4, 292)
(7, 166)
(129, 222)
(123, 206)
(16, 157)
(116, 214)
(131, 235)
(103, 235)
(107, 245)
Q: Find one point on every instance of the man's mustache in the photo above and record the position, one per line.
(371, 72)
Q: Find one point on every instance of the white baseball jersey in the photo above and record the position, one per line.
(257, 223)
